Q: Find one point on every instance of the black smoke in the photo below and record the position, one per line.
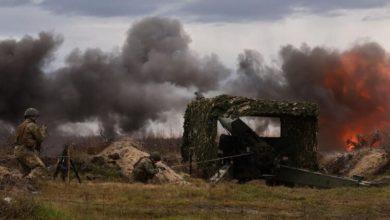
(155, 72)
(23, 82)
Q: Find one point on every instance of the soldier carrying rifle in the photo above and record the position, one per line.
(29, 137)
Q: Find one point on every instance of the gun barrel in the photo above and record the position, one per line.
(226, 123)
(237, 127)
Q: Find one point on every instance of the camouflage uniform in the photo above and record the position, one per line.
(144, 170)
(29, 137)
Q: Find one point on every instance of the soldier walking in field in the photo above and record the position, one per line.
(29, 137)
(145, 169)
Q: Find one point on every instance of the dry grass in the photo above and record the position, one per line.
(201, 200)
(114, 200)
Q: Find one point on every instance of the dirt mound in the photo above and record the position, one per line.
(366, 162)
(125, 153)
(12, 180)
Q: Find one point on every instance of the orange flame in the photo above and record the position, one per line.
(363, 84)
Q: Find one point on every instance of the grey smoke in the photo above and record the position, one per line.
(156, 73)
(122, 90)
(156, 50)
(23, 82)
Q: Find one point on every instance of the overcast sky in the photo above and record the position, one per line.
(224, 27)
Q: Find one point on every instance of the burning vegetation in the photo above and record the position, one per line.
(364, 141)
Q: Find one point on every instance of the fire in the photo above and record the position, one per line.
(361, 82)
(351, 140)
(359, 141)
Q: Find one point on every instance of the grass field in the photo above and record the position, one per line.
(203, 201)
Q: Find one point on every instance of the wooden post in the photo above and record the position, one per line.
(68, 163)
(190, 161)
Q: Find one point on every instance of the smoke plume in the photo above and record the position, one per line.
(155, 74)
(351, 87)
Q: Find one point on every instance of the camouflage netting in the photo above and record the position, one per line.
(298, 122)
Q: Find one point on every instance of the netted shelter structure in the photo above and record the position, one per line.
(298, 128)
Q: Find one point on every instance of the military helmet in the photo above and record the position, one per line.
(155, 156)
(31, 112)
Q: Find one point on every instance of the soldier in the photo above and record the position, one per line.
(145, 169)
(29, 137)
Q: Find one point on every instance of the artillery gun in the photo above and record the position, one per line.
(261, 161)
(290, 158)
